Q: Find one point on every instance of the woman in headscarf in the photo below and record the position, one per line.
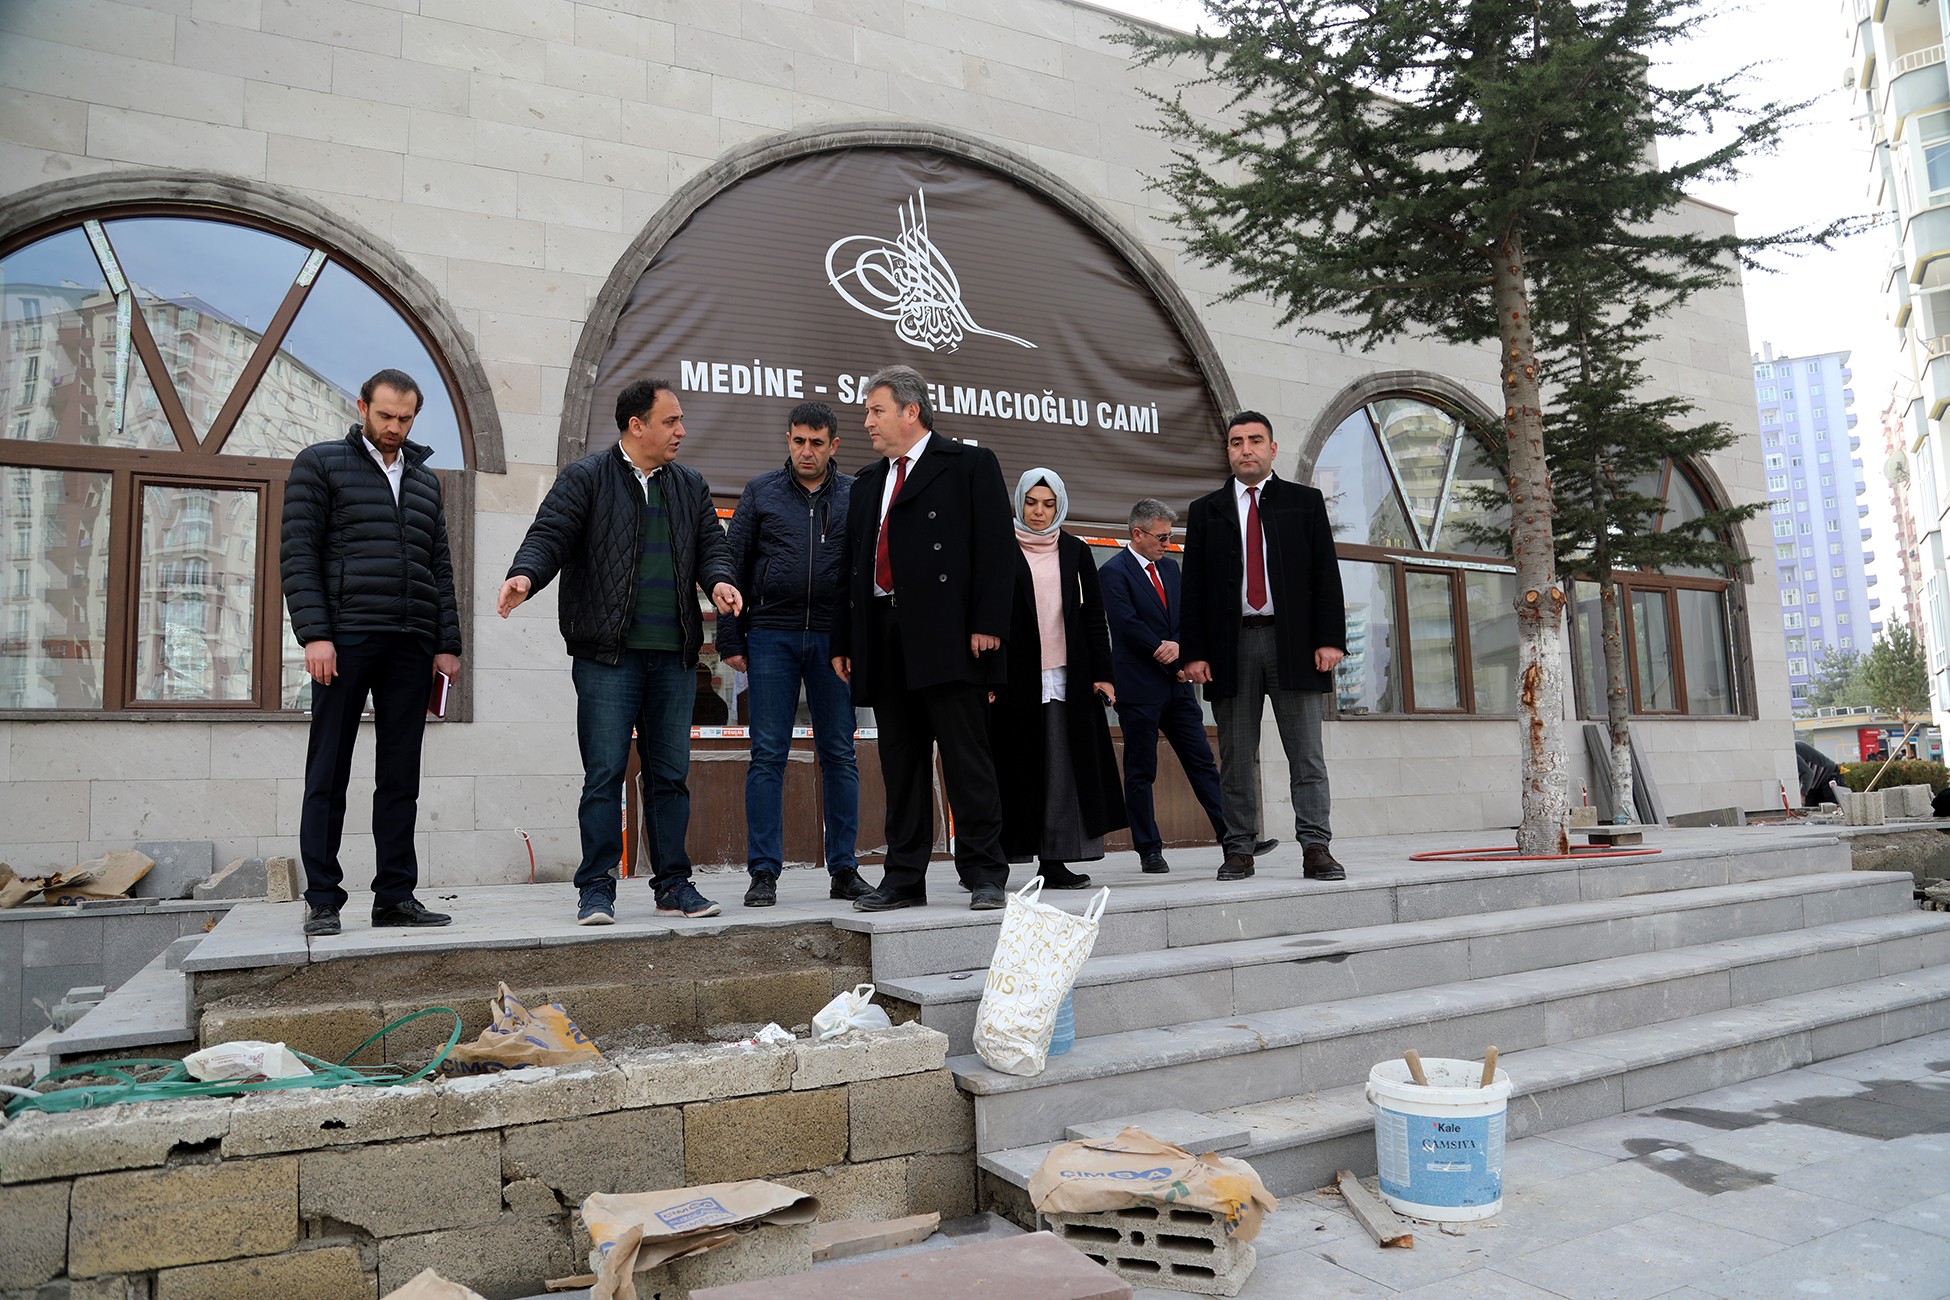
(1061, 793)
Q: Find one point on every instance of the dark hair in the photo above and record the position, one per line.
(908, 388)
(636, 399)
(397, 380)
(1248, 417)
(814, 415)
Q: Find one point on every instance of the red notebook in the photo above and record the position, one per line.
(437, 697)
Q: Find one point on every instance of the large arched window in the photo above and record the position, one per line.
(159, 367)
(1431, 619)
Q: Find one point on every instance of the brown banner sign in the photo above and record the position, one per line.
(1038, 338)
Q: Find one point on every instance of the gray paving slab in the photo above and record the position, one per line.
(1932, 1215)
(1902, 1171)
(1778, 1213)
(1880, 1260)
(1639, 1259)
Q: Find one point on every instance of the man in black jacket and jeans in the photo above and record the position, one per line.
(633, 535)
(788, 552)
(370, 585)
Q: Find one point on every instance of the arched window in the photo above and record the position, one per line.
(159, 368)
(1421, 528)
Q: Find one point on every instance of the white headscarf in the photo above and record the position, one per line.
(1050, 479)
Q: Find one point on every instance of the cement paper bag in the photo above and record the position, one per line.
(429, 1285)
(639, 1230)
(112, 875)
(1037, 957)
(1135, 1168)
(520, 1035)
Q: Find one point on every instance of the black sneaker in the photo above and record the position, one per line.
(848, 885)
(407, 914)
(764, 891)
(321, 920)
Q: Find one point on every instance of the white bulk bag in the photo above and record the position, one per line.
(1037, 957)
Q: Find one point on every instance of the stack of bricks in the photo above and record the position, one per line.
(1172, 1248)
(349, 1192)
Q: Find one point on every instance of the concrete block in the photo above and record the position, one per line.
(531, 1198)
(909, 1114)
(314, 1118)
(1169, 1247)
(527, 1097)
(704, 1072)
(39, 1145)
(1863, 809)
(180, 864)
(329, 1273)
(625, 1151)
(328, 1032)
(505, 1259)
(770, 1251)
(1033, 1264)
(788, 998)
(283, 881)
(868, 1054)
(877, 1189)
(393, 1189)
(756, 1137)
(943, 1185)
(1709, 817)
(36, 1219)
(239, 878)
(189, 1214)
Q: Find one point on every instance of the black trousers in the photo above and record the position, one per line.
(1183, 727)
(396, 670)
(913, 724)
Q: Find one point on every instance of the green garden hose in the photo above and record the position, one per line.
(170, 1079)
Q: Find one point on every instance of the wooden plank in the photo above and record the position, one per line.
(850, 1237)
(1382, 1223)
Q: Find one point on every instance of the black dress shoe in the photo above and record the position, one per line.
(985, 898)
(1153, 863)
(322, 920)
(1262, 847)
(764, 890)
(885, 900)
(848, 885)
(1237, 866)
(407, 914)
(1057, 875)
(1319, 864)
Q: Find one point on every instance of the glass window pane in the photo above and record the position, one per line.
(1360, 492)
(343, 335)
(1683, 505)
(1368, 680)
(1652, 648)
(1590, 646)
(1475, 474)
(207, 289)
(1703, 640)
(1421, 439)
(1491, 601)
(1432, 640)
(62, 349)
(56, 547)
(294, 683)
(196, 614)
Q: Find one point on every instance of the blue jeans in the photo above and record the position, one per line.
(776, 663)
(653, 692)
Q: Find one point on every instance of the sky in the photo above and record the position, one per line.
(1821, 301)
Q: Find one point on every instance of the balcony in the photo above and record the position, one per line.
(1936, 384)
(1926, 239)
(1862, 512)
(1867, 533)
(1854, 442)
(1867, 556)
(1916, 81)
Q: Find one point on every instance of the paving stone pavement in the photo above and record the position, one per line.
(1830, 1181)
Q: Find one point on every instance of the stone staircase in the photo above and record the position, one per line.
(1245, 1017)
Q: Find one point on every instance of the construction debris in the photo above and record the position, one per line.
(850, 1237)
(1382, 1223)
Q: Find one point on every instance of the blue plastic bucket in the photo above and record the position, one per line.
(1440, 1148)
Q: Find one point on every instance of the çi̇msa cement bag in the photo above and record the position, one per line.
(520, 1036)
(1037, 957)
(1135, 1168)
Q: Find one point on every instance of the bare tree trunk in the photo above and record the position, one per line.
(1540, 602)
(1618, 704)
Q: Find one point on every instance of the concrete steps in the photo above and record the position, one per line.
(1296, 1050)
(1297, 1141)
(1154, 989)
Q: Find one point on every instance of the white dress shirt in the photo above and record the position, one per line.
(913, 455)
(1239, 491)
(395, 473)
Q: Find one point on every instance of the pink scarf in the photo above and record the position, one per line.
(1046, 574)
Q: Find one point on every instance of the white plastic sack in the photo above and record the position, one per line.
(246, 1059)
(1037, 957)
(854, 1010)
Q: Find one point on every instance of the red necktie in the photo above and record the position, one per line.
(1157, 582)
(883, 568)
(1255, 553)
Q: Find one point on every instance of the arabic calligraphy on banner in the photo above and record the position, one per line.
(1037, 338)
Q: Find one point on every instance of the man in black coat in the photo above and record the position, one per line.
(370, 585)
(1264, 618)
(788, 555)
(634, 536)
(1143, 593)
(931, 566)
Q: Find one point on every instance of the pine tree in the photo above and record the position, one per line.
(1896, 674)
(1395, 167)
(1837, 681)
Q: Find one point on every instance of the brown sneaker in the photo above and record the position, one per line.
(1319, 864)
(1237, 866)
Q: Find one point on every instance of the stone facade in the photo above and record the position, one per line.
(350, 1192)
(510, 152)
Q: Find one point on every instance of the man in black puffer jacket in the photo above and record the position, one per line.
(634, 535)
(788, 552)
(370, 585)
